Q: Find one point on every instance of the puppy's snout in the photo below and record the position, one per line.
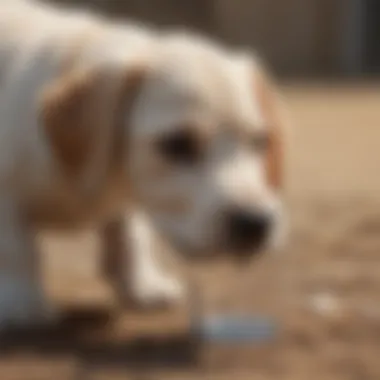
(247, 230)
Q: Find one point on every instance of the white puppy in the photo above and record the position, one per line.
(103, 124)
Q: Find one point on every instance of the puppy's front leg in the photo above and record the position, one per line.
(21, 297)
(131, 263)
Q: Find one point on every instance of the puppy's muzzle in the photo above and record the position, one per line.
(247, 231)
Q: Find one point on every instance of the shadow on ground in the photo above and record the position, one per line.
(87, 337)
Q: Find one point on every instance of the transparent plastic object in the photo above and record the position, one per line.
(243, 307)
(235, 329)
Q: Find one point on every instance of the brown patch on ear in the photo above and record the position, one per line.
(128, 92)
(68, 120)
(274, 117)
(83, 111)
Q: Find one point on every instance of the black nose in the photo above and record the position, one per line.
(247, 230)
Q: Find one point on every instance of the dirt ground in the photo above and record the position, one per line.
(323, 291)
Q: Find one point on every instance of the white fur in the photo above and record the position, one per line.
(21, 298)
(204, 85)
(150, 284)
(188, 77)
(33, 42)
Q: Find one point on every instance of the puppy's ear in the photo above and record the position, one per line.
(81, 110)
(67, 118)
(276, 120)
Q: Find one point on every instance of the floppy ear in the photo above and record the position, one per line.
(81, 111)
(273, 113)
(67, 119)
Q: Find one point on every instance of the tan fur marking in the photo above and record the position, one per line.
(79, 109)
(131, 84)
(171, 206)
(68, 120)
(273, 117)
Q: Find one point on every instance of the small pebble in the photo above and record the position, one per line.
(325, 304)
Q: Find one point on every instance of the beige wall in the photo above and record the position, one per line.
(295, 35)
(283, 33)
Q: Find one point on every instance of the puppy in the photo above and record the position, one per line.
(129, 131)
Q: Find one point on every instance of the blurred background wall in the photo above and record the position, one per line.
(296, 37)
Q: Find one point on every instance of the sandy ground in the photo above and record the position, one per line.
(323, 290)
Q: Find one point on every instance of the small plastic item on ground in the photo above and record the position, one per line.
(229, 327)
(235, 329)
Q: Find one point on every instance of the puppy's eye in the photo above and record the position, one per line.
(180, 147)
(261, 142)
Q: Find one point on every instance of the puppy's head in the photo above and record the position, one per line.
(195, 135)
(205, 150)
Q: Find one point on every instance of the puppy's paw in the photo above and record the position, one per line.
(22, 305)
(157, 291)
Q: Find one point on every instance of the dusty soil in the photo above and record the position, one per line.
(323, 290)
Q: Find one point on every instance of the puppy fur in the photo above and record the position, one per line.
(84, 106)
